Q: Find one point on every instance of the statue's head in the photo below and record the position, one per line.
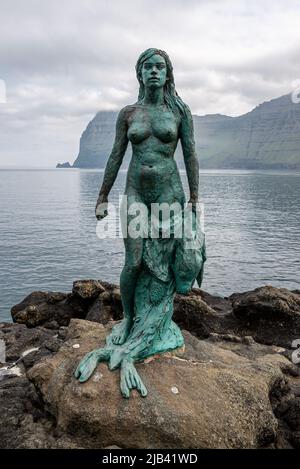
(154, 70)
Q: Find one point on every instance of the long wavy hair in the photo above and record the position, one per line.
(172, 99)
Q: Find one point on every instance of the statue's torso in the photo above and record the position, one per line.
(153, 133)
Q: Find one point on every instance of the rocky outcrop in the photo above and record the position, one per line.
(64, 165)
(89, 299)
(208, 398)
(270, 315)
(229, 389)
(265, 138)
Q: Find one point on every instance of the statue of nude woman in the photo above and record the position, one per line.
(155, 268)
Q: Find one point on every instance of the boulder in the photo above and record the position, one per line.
(87, 289)
(225, 391)
(211, 397)
(268, 303)
(101, 310)
(39, 308)
(271, 315)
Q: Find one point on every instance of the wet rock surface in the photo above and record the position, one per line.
(236, 385)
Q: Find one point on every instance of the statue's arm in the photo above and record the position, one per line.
(116, 157)
(189, 154)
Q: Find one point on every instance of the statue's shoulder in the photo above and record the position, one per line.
(186, 117)
(127, 111)
(187, 113)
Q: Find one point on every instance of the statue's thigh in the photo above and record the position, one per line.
(133, 251)
(172, 193)
(133, 245)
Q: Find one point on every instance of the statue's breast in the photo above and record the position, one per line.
(161, 125)
(165, 130)
(138, 131)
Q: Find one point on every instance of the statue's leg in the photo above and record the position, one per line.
(89, 363)
(128, 279)
(130, 379)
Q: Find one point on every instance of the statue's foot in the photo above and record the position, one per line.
(120, 331)
(89, 363)
(116, 357)
(130, 379)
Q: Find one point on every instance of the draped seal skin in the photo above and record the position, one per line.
(155, 267)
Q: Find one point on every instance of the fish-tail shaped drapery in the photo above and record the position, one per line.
(170, 265)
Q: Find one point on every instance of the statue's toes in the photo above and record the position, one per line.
(142, 389)
(119, 339)
(139, 385)
(80, 367)
(86, 368)
(115, 359)
(122, 339)
(115, 339)
(124, 387)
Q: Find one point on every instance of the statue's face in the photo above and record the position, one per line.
(154, 72)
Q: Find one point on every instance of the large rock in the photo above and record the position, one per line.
(87, 289)
(38, 308)
(228, 374)
(211, 397)
(267, 303)
(271, 315)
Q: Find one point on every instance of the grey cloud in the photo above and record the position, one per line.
(62, 61)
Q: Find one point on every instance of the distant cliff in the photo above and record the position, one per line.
(268, 137)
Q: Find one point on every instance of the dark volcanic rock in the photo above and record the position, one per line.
(102, 309)
(19, 406)
(41, 308)
(87, 289)
(236, 386)
(271, 315)
(266, 303)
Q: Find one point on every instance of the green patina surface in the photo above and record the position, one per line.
(155, 268)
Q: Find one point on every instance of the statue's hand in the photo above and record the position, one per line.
(101, 207)
(194, 201)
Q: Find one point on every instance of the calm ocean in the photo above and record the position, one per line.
(48, 231)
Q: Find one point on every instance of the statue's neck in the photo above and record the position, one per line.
(155, 96)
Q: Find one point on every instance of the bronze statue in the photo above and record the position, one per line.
(155, 267)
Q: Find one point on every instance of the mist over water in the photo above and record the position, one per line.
(48, 231)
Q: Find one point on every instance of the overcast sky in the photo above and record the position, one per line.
(64, 60)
